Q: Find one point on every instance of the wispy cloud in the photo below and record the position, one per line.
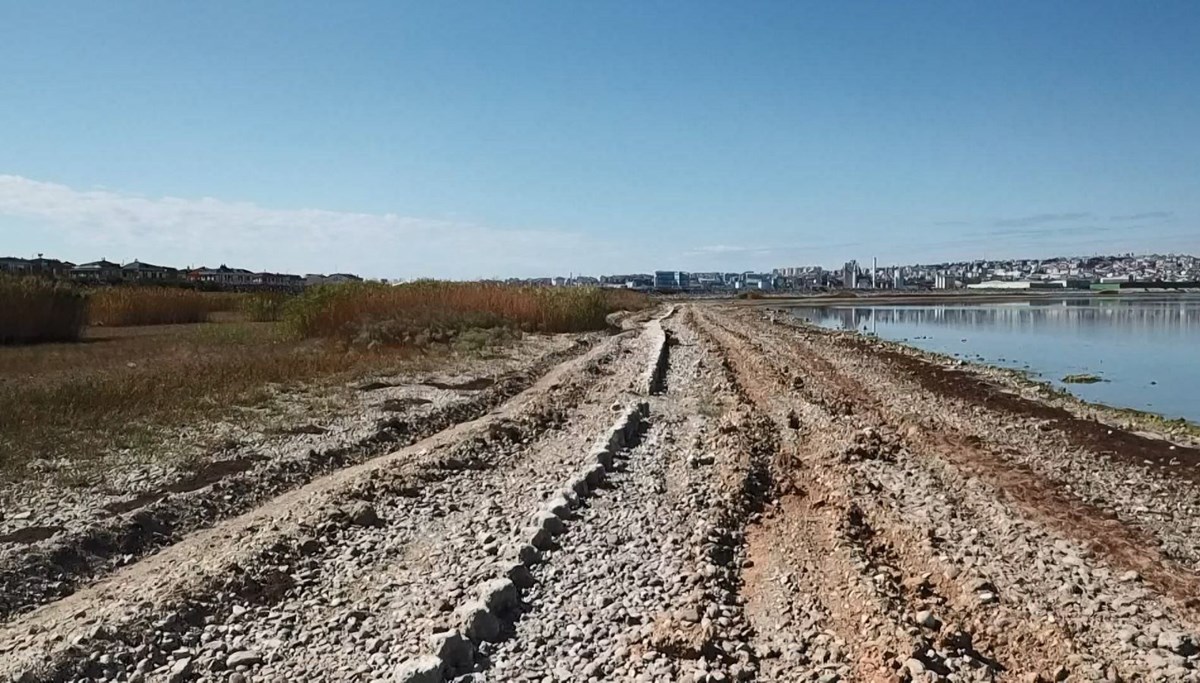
(1053, 232)
(725, 249)
(1144, 216)
(121, 225)
(1040, 218)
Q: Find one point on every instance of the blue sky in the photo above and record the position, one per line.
(473, 139)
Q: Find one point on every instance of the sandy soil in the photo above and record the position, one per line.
(774, 503)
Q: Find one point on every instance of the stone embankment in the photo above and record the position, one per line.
(713, 495)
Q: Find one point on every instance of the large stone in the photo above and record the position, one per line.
(181, 670)
(499, 595)
(1178, 642)
(541, 539)
(926, 619)
(616, 437)
(579, 486)
(594, 475)
(519, 574)
(362, 514)
(456, 652)
(559, 506)
(528, 555)
(427, 669)
(478, 623)
(549, 522)
(603, 456)
(243, 658)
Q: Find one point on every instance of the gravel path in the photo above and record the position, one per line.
(713, 497)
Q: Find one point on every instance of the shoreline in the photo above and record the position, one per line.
(957, 297)
(1025, 381)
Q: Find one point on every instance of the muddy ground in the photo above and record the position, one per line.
(716, 494)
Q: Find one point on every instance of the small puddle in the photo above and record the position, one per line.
(30, 534)
(469, 385)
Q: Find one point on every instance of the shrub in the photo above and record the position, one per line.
(118, 306)
(38, 310)
(435, 312)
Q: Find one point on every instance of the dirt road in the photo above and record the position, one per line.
(714, 495)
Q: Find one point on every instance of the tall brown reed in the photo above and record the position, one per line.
(405, 313)
(117, 306)
(38, 310)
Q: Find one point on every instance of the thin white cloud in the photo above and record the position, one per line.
(193, 231)
(723, 249)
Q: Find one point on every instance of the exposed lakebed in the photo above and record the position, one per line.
(1145, 351)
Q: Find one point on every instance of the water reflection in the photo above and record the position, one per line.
(1145, 348)
(1172, 317)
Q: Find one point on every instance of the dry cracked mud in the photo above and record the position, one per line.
(715, 494)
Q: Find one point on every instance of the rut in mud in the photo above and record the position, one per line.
(712, 497)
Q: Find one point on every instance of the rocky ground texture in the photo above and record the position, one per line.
(715, 494)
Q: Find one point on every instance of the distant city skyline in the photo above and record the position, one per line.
(475, 139)
(1179, 266)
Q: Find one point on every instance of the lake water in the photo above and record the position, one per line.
(1147, 349)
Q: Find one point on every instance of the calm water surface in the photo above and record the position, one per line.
(1148, 349)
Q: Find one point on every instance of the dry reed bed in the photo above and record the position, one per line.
(418, 312)
(33, 310)
(120, 306)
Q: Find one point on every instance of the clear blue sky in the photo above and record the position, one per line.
(468, 139)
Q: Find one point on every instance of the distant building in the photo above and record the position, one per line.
(850, 275)
(314, 279)
(146, 272)
(223, 276)
(757, 281)
(50, 267)
(14, 266)
(97, 271)
(47, 267)
(708, 280)
(278, 281)
(669, 280)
